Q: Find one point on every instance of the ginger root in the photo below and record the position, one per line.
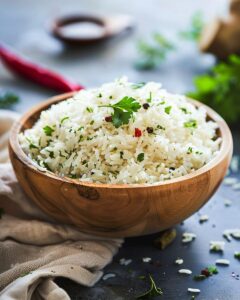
(222, 37)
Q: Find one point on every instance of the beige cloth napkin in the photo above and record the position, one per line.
(34, 250)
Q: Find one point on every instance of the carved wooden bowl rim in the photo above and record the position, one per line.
(225, 148)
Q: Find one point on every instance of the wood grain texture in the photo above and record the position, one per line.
(118, 210)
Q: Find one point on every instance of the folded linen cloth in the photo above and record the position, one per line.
(34, 249)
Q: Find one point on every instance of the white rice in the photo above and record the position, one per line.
(84, 145)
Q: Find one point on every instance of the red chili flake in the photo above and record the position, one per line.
(205, 272)
(108, 119)
(138, 132)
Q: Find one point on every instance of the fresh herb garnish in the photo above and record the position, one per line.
(48, 130)
(31, 145)
(139, 85)
(152, 54)
(207, 272)
(237, 255)
(191, 124)
(190, 150)
(89, 109)
(121, 154)
(149, 99)
(183, 109)
(46, 166)
(1, 212)
(168, 109)
(160, 127)
(92, 122)
(51, 154)
(63, 119)
(196, 28)
(123, 110)
(152, 292)
(8, 99)
(140, 157)
(220, 88)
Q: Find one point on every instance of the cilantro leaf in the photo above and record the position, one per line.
(212, 270)
(168, 109)
(152, 54)
(140, 157)
(190, 124)
(152, 292)
(127, 104)
(123, 110)
(120, 117)
(48, 130)
(220, 88)
(8, 99)
(196, 28)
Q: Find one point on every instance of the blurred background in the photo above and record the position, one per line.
(25, 27)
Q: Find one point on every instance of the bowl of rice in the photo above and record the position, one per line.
(124, 159)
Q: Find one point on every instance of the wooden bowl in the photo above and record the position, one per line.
(118, 210)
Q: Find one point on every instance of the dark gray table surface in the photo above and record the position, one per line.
(23, 25)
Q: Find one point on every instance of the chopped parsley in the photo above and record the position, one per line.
(89, 109)
(51, 154)
(64, 119)
(31, 145)
(152, 292)
(140, 157)
(221, 82)
(183, 109)
(207, 272)
(191, 124)
(123, 110)
(92, 122)
(168, 109)
(139, 85)
(190, 150)
(48, 130)
(161, 127)
(237, 255)
(99, 95)
(149, 99)
(8, 99)
(195, 29)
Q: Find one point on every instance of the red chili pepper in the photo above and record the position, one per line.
(35, 73)
(138, 132)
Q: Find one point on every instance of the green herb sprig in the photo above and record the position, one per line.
(123, 110)
(152, 54)
(48, 130)
(220, 89)
(152, 292)
(195, 29)
(8, 99)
